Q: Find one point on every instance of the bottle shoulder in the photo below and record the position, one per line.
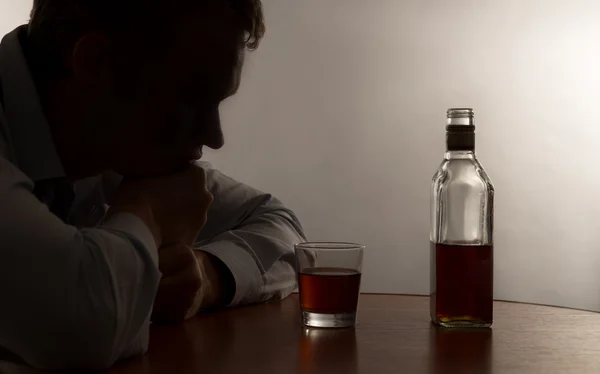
(462, 171)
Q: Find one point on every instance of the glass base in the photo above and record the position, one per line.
(338, 320)
(462, 324)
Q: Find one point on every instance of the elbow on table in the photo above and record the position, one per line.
(73, 357)
(81, 349)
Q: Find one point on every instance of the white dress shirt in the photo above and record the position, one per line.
(77, 292)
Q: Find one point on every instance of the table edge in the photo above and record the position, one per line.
(495, 300)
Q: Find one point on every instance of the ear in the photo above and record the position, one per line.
(91, 57)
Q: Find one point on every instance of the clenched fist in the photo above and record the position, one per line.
(174, 207)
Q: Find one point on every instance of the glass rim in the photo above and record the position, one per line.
(330, 246)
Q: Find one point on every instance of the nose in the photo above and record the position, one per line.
(213, 133)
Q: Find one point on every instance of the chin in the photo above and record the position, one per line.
(149, 169)
(193, 154)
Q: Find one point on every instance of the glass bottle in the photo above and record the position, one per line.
(462, 254)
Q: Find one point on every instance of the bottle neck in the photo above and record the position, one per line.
(460, 155)
(460, 138)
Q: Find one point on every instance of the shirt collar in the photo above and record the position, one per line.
(29, 131)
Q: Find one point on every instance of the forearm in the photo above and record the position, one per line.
(95, 287)
(96, 296)
(253, 235)
(259, 257)
(218, 285)
(126, 200)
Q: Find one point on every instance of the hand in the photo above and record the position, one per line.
(174, 207)
(190, 283)
(179, 291)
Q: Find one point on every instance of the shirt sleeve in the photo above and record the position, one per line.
(71, 299)
(253, 234)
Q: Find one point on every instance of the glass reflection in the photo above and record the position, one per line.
(462, 351)
(328, 351)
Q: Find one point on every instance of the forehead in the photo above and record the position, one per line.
(210, 23)
(205, 34)
(203, 46)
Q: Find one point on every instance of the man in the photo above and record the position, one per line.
(106, 219)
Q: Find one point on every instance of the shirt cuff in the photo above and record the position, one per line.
(243, 266)
(132, 225)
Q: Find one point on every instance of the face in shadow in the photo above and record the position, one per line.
(152, 100)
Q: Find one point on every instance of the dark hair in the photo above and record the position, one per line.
(56, 25)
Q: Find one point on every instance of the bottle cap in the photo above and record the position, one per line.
(460, 129)
(461, 117)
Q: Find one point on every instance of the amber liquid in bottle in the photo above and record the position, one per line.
(463, 277)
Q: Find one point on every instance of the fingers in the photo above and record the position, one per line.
(175, 297)
(197, 200)
(187, 280)
(174, 258)
(179, 291)
(171, 308)
(206, 197)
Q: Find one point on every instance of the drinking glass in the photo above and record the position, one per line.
(329, 282)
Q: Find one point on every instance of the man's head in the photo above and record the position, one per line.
(144, 77)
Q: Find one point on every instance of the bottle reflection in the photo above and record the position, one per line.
(328, 351)
(464, 351)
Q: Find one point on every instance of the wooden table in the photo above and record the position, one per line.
(393, 335)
